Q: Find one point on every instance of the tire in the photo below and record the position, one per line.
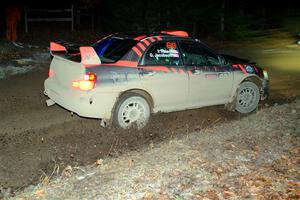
(132, 109)
(247, 97)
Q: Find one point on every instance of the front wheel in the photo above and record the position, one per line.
(247, 97)
(132, 109)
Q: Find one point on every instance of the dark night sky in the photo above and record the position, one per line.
(201, 17)
(277, 5)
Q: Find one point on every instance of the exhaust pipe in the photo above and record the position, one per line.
(50, 102)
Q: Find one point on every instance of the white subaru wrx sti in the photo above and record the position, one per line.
(123, 78)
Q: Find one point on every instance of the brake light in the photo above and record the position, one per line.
(50, 73)
(88, 82)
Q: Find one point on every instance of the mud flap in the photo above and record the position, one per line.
(50, 102)
(230, 106)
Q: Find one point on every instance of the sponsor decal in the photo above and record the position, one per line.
(165, 53)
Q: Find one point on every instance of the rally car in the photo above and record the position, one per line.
(124, 77)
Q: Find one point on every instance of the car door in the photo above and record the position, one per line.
(210, 83)
(164, 77)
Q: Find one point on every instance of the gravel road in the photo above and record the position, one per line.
(257, 157)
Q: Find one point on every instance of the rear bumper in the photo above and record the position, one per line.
(90, 104)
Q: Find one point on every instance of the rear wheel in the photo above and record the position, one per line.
(247, 97)
(132, 109)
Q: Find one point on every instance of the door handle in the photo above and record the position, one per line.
(195, 71)
(149, 73)
(146, 72)
(211, 76)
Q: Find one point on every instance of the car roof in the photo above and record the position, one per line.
(165, 35)
(141, 35)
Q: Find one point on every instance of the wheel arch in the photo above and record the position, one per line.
(140, 92)
(137, 91)
(254, 79)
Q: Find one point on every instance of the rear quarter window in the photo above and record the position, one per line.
(112, 49)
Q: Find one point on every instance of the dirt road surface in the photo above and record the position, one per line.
(34, 138)
(256, 157)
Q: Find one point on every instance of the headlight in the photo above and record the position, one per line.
(265, 73)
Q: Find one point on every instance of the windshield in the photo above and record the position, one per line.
(112, 49)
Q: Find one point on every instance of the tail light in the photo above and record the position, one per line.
(50, 73)
(88, 82)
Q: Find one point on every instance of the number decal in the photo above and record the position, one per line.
(171, 45)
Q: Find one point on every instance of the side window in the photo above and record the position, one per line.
(192, 54)
(196, 55)
(212, 59)
(163, 53)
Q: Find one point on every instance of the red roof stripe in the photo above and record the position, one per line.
(138, 38)
(147, 43)
(158, 37)
(141, 45)
(152, 39)
(137, 51)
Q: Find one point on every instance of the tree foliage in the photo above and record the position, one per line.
(218, 18)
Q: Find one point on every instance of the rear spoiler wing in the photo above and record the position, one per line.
(63, 46)
(68, 50)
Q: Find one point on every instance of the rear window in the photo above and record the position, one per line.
(112, 49)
